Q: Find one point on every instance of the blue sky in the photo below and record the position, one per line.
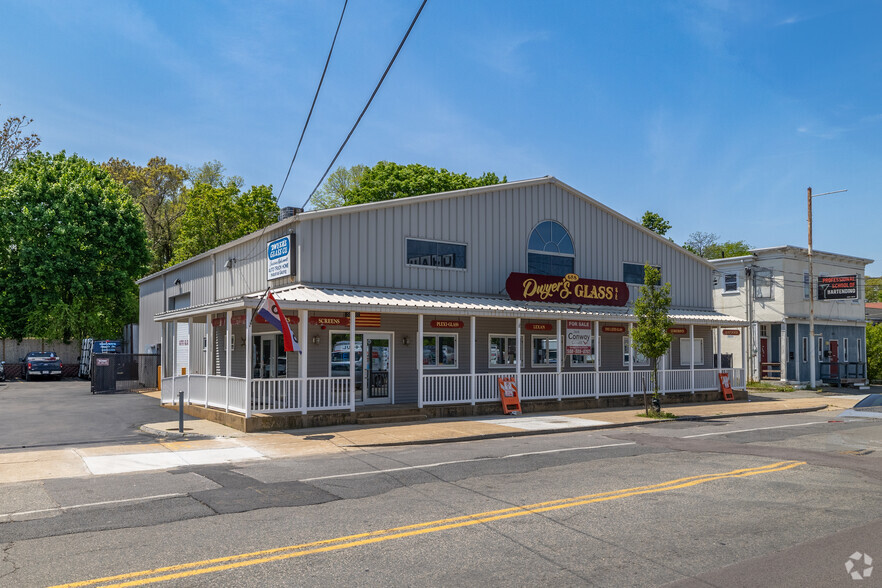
(717, 115)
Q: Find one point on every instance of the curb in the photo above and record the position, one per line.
(586, 428)
(173, 434)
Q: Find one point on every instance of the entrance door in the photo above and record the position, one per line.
(373, 380)
(834, 358)
(270, 360)
(764, 357)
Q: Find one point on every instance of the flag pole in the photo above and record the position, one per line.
(254, 314)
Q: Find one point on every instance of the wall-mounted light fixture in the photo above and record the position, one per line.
(229, 263)
(177, 281)
(316, 339)
(405, 340)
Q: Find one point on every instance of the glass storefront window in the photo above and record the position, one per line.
(544, 350)
(503, 350)
(439, 351)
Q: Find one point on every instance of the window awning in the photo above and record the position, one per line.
(337, 299)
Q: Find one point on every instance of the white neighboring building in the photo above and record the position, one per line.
(770, 289)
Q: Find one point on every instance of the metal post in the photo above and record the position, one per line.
(352, 362)
(419, 361)
(181, 411)
(812, 359)
(473, 383)
(692, 356)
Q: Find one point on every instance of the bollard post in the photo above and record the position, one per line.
(180, 412)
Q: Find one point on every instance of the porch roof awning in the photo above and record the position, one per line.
(337, 299)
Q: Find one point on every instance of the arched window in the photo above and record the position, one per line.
(550, 250)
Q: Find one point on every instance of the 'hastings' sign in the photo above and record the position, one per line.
(570, 289)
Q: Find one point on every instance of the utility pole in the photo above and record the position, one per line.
(812, 290)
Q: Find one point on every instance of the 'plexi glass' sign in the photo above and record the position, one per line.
(279, 259)
(570, 289)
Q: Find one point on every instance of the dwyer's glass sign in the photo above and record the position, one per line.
(278, 258)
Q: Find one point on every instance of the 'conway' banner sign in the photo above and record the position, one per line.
(570, 289)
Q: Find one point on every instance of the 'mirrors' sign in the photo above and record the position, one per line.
(278, 258)
(570, 289)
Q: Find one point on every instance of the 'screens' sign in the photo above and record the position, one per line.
(570, 289)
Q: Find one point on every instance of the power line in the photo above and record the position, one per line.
(366, 106)
(314, 98)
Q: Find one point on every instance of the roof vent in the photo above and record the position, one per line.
(288, 212)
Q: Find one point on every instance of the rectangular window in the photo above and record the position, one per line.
(845, 350)
(436, 254)
(544, 351)
(503, 350)
(439, 350)
(820, 349)
(685, 354)
(639, 358)
(762, 283)
(635, 273)
(805, 350)
(859, 357)
(730, 283)
(806, 287)
(764, 330)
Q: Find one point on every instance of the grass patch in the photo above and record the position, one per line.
(655, 414)
(769, 386)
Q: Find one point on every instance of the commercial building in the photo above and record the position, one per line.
(434, 297)
(770, 289)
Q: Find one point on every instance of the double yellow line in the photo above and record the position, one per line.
(280, 553)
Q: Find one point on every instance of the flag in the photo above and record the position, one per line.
(269, 310)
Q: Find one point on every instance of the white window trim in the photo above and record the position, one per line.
(441, 267)
(584, 364)
(820, 348)
(550, 337)
(845, 350)
(727, 292)
(696, 341)
(503, 366)
(438, 366)
(859, 350)
(626, 352)
(806, 286)
(805, 350)
(766, 274)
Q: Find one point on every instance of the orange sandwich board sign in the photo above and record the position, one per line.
(508, 392)
(726, 387)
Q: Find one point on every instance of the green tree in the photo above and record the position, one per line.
(212, 173)
(727, 249)
(14, 144)
(874, 352)
(650, 335)
(332, 193)
(700, 243)
(159, 190)
(388, 180)
(215, 216)
(72, 242)
(874, 289)
(655, 223)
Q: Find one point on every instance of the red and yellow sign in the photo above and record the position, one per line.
(678, 331)
(238, 319)
(570, 289)
(292, 319)
(330, 321)
(538, 327)
(731, 331)
(613, 329)
(447, 324)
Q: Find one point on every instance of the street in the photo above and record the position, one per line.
(780, 500)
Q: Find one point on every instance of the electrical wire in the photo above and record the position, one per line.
(366, 106)
(314, 99)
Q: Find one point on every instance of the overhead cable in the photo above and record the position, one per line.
(380, 83)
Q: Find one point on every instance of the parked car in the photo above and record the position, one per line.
(41, 363)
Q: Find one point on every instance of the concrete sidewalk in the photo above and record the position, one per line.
(205, 442)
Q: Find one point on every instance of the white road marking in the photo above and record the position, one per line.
(11, 516)
(140, 462)
(458, 461)
(542, 423)
(756, 429)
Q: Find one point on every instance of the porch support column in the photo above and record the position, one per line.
(209, 353)
(173, 354)
(304, 361)
(249, 362)
(782, 352)
(744, 356)
(664, 374)
(518, 352)
(352, 361)
(719, 350)
(419, 360)
(692, 357)
(596, 359)
(228, 346)
(473, 379)
(558, 379)
(189, 354)
(630, 360)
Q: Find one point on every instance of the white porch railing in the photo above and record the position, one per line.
(328, 393)
(677, 381)
(707, 379)
(578, 384)
(446, 389)
(614, 383)
(217, 392)
(275, 395)
(536, 386)
(166, 393)
(197, 390)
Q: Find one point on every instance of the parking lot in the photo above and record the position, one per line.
(47, 413)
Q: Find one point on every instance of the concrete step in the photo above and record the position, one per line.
(388, 419)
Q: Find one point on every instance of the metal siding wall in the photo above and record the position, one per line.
(151, 303)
